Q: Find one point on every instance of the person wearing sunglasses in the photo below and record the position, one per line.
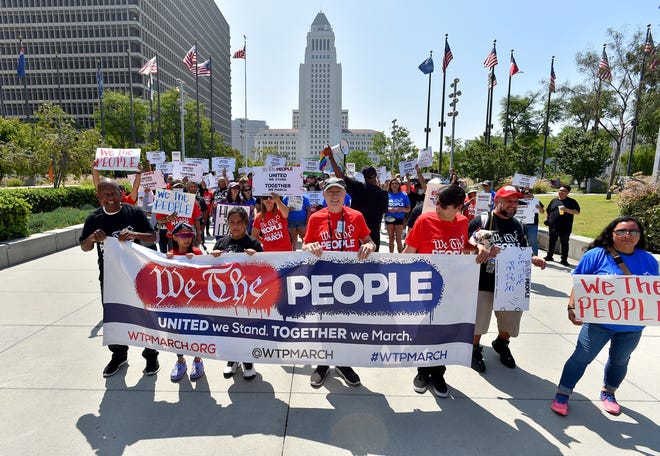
(623, 239)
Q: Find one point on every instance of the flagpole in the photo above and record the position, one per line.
(600, 84)
(2, 100)
(59, 84)
(160, 122)
(199, 134)
(100, 93)
(245, 142)
(486, 131)
(130, 90)
(490, 103)
(25, 106)
(151, 105)
(546, 130)
(635, 122)
(441, 124)
(212, 154)
(508, 100)
(427, 130)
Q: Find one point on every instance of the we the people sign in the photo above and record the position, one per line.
(624, 300)
(117, 159)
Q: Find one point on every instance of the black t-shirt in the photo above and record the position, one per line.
(507, 232)
(561, 223)
(368, 199)
(129, 217)
(230, 245)
(415, 213)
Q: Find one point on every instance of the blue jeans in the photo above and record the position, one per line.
(591, 340)
(532, 233)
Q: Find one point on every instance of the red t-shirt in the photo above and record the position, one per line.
(128, 200)
(273, 231)
(197, 213)
(471, 210)
(323, 227)
(432, 235)
(196, 251)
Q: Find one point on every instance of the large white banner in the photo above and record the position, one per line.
(292, 307)
(622, 300)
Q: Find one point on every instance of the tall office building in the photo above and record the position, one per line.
(66, 40)
(243, 133)
(319, 119)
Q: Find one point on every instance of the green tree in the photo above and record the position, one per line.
(583, 154)
(482, 161)
(16, 155)
(360, 158)
(395, 149)
(117, 119)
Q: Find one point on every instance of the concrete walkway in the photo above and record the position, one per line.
(55, 400)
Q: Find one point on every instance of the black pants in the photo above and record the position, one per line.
(563, 241)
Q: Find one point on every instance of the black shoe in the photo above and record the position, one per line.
(318, 376)
(438, 382)
(565, 263)
(478, 358)
(421, 382)
(113, 366)
(152, 366)
(501, 346)
(348, 374)
(548, 258)
(249, 373)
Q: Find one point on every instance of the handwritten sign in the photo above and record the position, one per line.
(275, 161)
(192, 171)
(295, 203)
(430, 195)
(203, 162)
(218, 164)
(169, 201)
(407, 167)
(176, 155)
(117, 159)
(283, 180)
(623, 300)
(156, 157)
(315, 198)
(220, 222)
(310, 165)
(382, 173)
(513, 276)
(523, 181)
(350, 168)
(425, 157)
(483, 202)
(525, 212)
(153, 179)
(244, 171)
(165, 168)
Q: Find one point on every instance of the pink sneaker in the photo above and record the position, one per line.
(609, 403)
(560, 405)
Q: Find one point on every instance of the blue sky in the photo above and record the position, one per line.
(381, 43)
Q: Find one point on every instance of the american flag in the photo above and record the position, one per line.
(552, 77)
(190, 60)
(150, 67)
(604, 68)
(491, 60)
(240, 54)
(655, 60)
(648, 46)
(448, 57)
(492, 80)
(204, 68)
(514, 67)
(20, 67)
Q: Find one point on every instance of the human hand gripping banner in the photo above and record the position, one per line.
(285, 308)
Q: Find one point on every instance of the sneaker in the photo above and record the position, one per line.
(318, 376)
(478, 358)
(609, 403)
(439, 384)
(113, 366)
(248, 371)
(421, 382)
(560, 405)
(348, 374)
(501, 346)
(197, 371)
(230, 369)
(178, 371)
(152, 366)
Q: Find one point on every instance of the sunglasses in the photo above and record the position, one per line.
(247, 189)
(185, 234)
(633, 233)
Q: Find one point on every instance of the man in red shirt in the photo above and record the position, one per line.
(339, 229)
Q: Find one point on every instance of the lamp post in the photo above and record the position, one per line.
(393, 148)
(454, 100)
(179, 88)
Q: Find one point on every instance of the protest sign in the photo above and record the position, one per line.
(407, 167)
(483, 202)
(165, 168)
(223, 163)
(310, 165)
(523, 181)
(295, 203)
(350, 168)
(513, 276)
(275, 161)
(176, 155)
(220, 222)
(169, 201)
(429, 196)
(293, 307)
(192, 171)
(425, 158)
(382, 174)
(117, 159)
(315, 198)
(283, 180)
(527, 209)
(203, 162)
(152, 180)
(156, 157)
(618, 299)
(244, 171)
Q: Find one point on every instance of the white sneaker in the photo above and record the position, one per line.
(230, 369)
(249, 373)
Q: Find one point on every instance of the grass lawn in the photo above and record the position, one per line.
(595, 213)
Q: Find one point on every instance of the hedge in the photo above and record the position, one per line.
(642, 200)
(14, 217)
(49, 199)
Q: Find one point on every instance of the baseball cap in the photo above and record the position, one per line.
(233, 184)
(334, 182)
(177, 183)
(486, 182)
(508, 190)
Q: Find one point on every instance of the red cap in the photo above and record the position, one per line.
(508, 190)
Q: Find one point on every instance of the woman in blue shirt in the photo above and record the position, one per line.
(622, 240)
(397, 207)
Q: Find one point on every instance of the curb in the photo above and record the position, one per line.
(38, 245)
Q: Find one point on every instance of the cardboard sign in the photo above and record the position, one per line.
(165, 168)
(295, 203)
(310, 165)
(429, 196)
(382, 173)
(513, 276)
(176, 155)
(350, 168)
(203, 162)
(169, 201)
(283, 180)
(483, 202)
(523, 181)
(156, 157)
(117, 159)
(526, 212)
(223, 163)
(407, 167)
(425, 157)
(192, 171)
(315, 198)
(275, 161)
(220, 221)
(152, 180)
(618, 299)
(244, 171)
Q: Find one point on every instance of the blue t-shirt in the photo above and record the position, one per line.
(295, 216)
(397, 200)
(598, 261)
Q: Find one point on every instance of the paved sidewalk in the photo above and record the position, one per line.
(55, 400)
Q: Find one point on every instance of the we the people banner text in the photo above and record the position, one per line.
(293, 307)
(619, 299)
